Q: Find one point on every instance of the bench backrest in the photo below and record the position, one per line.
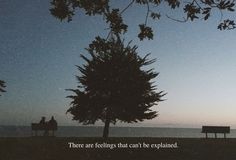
(215, 129)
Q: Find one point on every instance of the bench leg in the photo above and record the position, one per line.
(206, 136)
(215, 135)
(224, 135)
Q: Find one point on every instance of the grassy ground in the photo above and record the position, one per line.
(40, 148)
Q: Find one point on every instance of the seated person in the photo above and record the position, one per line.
(42, 121)
(52, 121)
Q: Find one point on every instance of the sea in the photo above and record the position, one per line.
(96, 131)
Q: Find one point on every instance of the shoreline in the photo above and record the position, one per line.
(91, 131)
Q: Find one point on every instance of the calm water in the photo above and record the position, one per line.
(75, 131)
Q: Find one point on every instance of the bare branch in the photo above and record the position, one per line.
(127, 6)
(198, 4)
(148, 11)
(177, 20)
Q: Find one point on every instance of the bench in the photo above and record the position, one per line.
(215, 130)
(46, 127)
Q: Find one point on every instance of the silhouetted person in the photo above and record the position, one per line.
(53, 124)
(52, 121)
(42, 121)
(44, 125)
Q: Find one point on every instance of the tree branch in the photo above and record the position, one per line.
(177, 20)
(198, 4)
(148, 10)
(127, 6)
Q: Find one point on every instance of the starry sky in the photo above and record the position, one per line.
(38, 54)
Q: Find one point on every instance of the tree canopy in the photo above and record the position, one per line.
(113, 85)
(193, 10)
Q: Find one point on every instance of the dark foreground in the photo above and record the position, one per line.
(37, 148)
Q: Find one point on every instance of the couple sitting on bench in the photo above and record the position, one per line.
(51, 125)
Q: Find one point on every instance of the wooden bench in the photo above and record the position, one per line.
(215, 130)
(46, 127)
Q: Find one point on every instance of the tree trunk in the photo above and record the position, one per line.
(106, 128)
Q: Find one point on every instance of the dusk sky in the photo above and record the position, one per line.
(38, 54)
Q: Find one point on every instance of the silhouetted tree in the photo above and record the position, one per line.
(113, 86)
(193, 9)
(2, 85)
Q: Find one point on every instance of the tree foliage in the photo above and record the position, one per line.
(2, 86)
(113, 85)
(193, 9)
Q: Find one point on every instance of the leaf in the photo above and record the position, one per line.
(173, 3)
(207, 16)
(145, 32)
(155, 15)
(231, 9)
(227, 24)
